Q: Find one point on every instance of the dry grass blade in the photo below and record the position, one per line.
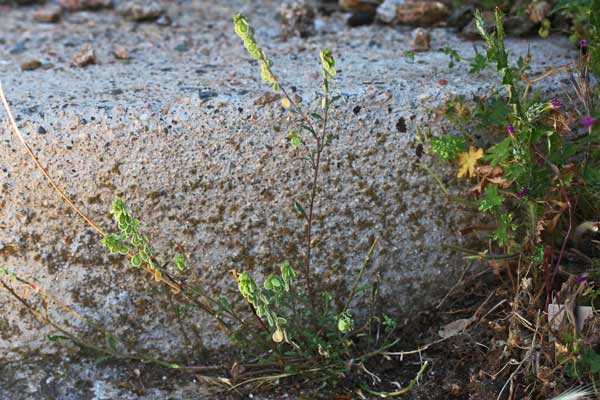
(581, 392)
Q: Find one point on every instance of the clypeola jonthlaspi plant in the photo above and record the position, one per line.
(292, 325)
(535, 163)
(304, 321)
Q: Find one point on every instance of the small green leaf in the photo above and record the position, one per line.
(308, 128)
(478, 64)
(112, 342)
(505, 226)
(56, 338)
(180, 262)
(300, 210)
(492, 200)
(123, 221)
(294, 138)
(136, 260)
(447, 147)
(452, 54)
(499, 152)
(102, 358)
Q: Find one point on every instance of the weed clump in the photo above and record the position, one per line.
(535, 165)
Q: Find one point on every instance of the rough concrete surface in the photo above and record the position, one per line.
(176, 132)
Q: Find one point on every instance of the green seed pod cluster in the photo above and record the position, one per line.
(254, 295)
(288, 275)
(535, 111)
(345, 322)
(129, 228)
(328, 64)
(245, 31)
(116, 243)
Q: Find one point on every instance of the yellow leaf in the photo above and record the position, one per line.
(468, 161)
(286, 103)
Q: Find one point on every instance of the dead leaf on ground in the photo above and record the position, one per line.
(455, 327)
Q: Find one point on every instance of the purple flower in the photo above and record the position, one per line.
(556, 104)
(582, 43)
(522, 192)
(581, 278)
(511, 129)
(588, 121)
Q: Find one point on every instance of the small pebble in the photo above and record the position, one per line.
(48, 14)
(297, 18)
(31, 65)
(362, 7)
(182, 47)
(79, 5)
(206, 94)
(140, 11)
(41, 130)
(422, 13)
(84, 57)
(18, 48)
(420, 40)
(121, 53)
(267, 98)
(163, 20)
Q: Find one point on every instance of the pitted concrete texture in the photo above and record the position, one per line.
(176, 132)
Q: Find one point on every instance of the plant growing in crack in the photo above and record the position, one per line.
(304, 321)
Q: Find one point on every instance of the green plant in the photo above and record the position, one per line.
(303, 321)
(533, 162)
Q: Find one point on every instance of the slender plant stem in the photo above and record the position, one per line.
(402, 391)
(479, 254)
(360, 274)
(315, 164)
(43, 170)
(78, 340)
(434, 176)
(309, 225)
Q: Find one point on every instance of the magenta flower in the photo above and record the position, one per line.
(556, 104)
(582, 43)
(522, 192)
(588, 121)
(511, 129)
(581, 278)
